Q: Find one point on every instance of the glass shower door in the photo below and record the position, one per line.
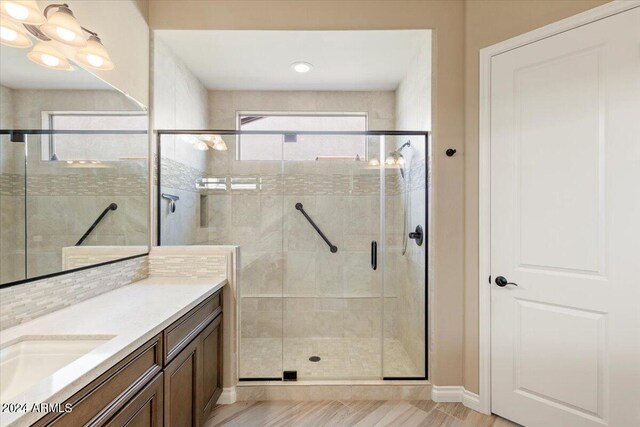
(405, 255)
(332, 288)
(326, 288)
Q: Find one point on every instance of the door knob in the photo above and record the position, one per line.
(502, 282)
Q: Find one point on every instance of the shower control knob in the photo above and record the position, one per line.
(417, 235)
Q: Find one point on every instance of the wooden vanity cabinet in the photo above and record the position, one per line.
(209, 367)
(180, 383)
(192, 382)
(173, 380)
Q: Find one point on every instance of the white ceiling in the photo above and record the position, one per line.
(261, 60)
(18, 72)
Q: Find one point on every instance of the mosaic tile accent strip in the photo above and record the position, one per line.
(192, 266)
(21, 303)
(344, 181)
(178, 175)
(81, 256)
(87, 185)
(11, 184)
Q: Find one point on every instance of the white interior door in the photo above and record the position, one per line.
(565, 227)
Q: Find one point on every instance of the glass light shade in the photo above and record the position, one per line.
(94, 55)
(374, 162)
(201, 145)
(218, 143)
(13, 35)
(48, 56)
(62, 26)
(23, 11)
(390, 161)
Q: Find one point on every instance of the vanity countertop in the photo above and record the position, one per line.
(132, 314)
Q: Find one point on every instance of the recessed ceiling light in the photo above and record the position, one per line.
(301, 67)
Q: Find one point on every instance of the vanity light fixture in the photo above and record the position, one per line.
(13, 35)
(390, 161)
(301, 67)
(61, 26)
(214, 141)
(47, 56)
(23, 11)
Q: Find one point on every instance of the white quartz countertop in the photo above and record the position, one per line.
(132, 314)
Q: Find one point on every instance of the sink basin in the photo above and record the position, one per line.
(30, 360)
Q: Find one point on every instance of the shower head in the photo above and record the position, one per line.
(398, 151)
(403, 146)
(397, 154)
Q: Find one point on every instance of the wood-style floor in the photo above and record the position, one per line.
(351, 413)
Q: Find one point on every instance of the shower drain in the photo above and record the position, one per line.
(314, 359)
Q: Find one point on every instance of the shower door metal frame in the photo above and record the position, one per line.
(427, 141)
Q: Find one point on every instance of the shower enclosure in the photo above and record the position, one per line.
(333, 249)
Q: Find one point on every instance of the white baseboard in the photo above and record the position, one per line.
(456, 394)
(228, 396)
(471, 401)
(447, 393)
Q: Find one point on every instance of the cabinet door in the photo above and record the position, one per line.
(180, 388)
(209, 368)
(144, 410)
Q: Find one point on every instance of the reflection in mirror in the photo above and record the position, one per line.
(73, 170)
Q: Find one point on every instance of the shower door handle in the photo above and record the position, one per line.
(374, 255)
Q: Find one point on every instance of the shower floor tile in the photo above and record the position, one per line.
(340, 358)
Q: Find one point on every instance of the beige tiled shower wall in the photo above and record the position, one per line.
(325, 294)
(413, 111)
(407, 271)
(19, 304)
(179, 102)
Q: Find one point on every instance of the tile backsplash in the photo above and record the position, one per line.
(195, 262)
(21, 303)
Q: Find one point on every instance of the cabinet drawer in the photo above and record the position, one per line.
(97, 402)
(183, 331)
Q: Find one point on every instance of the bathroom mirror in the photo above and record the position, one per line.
(73, 170)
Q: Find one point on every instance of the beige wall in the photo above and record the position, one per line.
(461, 28)
(487, 23)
